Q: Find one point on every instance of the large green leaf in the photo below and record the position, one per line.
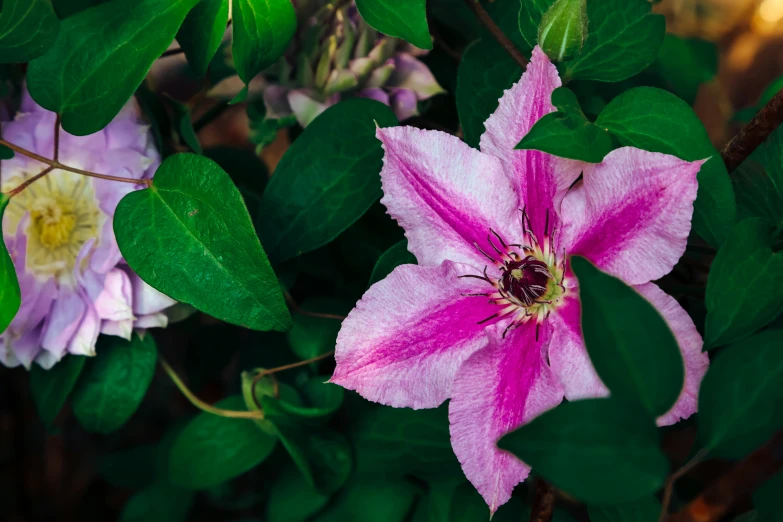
(261, 31)
(314, 336)
(655, 120)
(767, 499)
(741, 397)
(395, 256)
(742, 289)
(758, 182)
(646, 509)
(485, 71)
(114, 382)
(50, 388)
(630, 344)
(623, 37)
(292, 499)
(158, 502)
(327, 179)
(406, 19)
(213, 449)
(571, 443)
(373, 499)
(456, 500)
(28, 28)
(684, 64)
(567, 132)
(319, 399)
(190, 236)
(10, 293)
(201, 33)
(101, 57)
(402, 441)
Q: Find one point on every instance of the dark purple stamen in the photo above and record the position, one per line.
(525, 279)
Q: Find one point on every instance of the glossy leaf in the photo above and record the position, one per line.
(292, 499)
(262, 30)
(485, 71)
(10, 293)
(115, 382)
(741, 396)
(758, 182)
(314, 336)
(406, 19)
(571, 443)
(158, 502)
(101, 57)
(51, 388)
(630, 344)
(320, 399)
(403, 441)
(371, 499)
(213, 449)
(646, 509)
(567, 132)
(658, 121)
(28, 28)
(767, 499)
(201, 33)
(395, 256)
(456, 500)
(190, 236)
(327, 179)
(182, 118)
(6, 153)
(684, 64)
(741, 296)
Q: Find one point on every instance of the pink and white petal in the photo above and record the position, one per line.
(412, 74)
(696, 361)
(568, 356)
(46, 360)
(374, 93)
(498, 389)
(83, 341)
(445, 195)
(404, 104)
(408, 335)
(147, 300)
(631, 214)
(541, 180)
(122, 329)
(63, 321)
(107, 254)
(114, 302)
(158, 320)
(27, 347)
(7, 355)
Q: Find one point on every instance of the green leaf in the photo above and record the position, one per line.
(10, 293)
(741, 289)
(321, 399)
(741, 399)
(327, 179)
(185, 126)
(261, 32)
(485, 71)
(159, 502)
(684, 64)
(567, 132)
(314, 336)
(646, 509)
(292, 499)
(404, 442)
(114, 382)
(568, 444)
(28, 28)
(213, 449)
(767, 499)
(136, 467)
(629, 343)
(66, 8)
(458, 501)
(758, 182)
(50, 388)
(406, 19)
(658, 121)
(395, 256)
(201, 33)
(371, 499)
(623, 38)
(101, 57)
(190, 236)
(6, 153)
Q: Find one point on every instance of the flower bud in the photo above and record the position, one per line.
(563, 29)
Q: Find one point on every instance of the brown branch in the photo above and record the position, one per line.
(171, 52)
(544, 502)
(740, 481)
(30, 181)
(57, 165)
(754, 133)
(297, 309)
(264, 373)
(490, 24)
(57, 137)
(667, 491)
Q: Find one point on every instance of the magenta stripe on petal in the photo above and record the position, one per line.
(496, 390)
(446, 195)
(408, 335)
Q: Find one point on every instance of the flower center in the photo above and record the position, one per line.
(526, 279)
(63, 215)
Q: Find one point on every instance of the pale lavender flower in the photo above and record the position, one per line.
(59, 233)
(334, 55)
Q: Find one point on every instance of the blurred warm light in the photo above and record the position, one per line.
(771, 11)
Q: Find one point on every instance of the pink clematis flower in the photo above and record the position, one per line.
(490, 318)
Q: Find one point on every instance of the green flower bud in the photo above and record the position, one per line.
(563, 29)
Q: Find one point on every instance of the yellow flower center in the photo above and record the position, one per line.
(63, 215)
